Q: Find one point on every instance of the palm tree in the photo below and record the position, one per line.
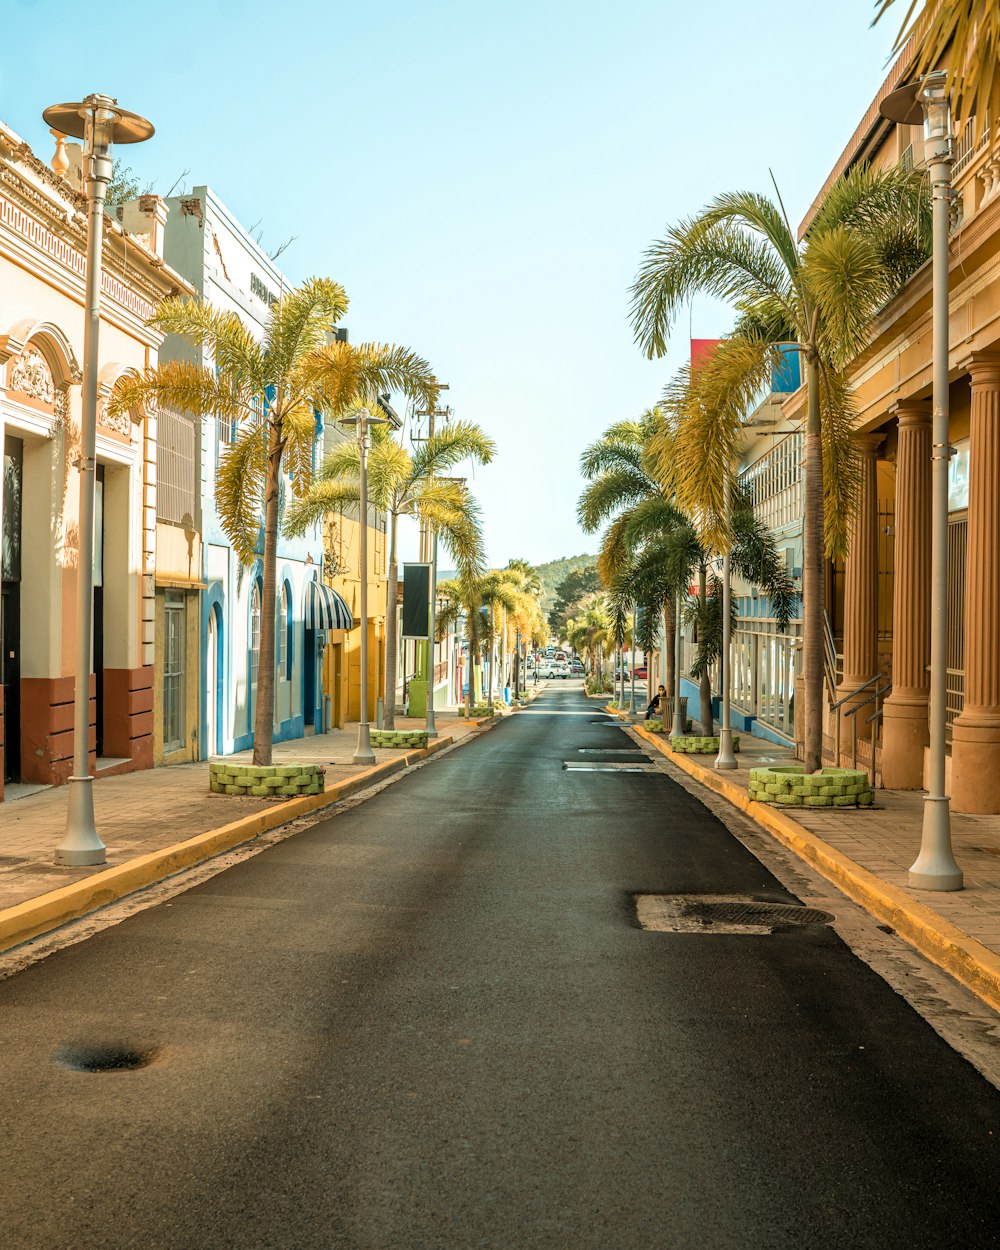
(270, 392)
(622, 476)
(404, 483)
(467, 596)
(593, 633)
(651, 551)
(967, 34)
(819, 295)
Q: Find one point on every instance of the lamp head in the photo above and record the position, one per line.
(923, 101)
(99, 122)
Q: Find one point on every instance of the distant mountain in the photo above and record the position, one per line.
(551, 574)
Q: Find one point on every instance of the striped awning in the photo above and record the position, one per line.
(325, 609)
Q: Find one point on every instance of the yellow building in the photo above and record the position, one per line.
(342, 666)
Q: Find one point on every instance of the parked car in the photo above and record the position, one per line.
(554, 668)
(641, 672)
(576, 666)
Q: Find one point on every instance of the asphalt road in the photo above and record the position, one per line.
(432, 1022)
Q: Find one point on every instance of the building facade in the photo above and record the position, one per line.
(879, 601)
(43, 228)
(208, 603)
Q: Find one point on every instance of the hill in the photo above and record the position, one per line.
(551, 574)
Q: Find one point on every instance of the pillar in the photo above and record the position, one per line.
(861, 583)
(904, 727)
(975, 761)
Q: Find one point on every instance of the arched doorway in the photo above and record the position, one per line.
(213, 683)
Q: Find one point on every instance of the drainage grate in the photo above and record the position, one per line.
(721, 913)
(574, 766)
(117, 1057)
(624, 749)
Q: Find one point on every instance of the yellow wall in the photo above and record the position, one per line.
(345, 550)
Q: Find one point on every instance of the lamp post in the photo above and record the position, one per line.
(726, 759)
(677, 728)
(99, 122)
(631, 699)
(361, 420)
(927, 101)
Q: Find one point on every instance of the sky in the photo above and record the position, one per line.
(482, 178)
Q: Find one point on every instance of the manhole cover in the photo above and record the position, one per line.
(607, 766)
(720, 913)
(116, 1057)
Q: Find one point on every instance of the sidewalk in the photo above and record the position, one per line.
(149, 819)
(867, 852)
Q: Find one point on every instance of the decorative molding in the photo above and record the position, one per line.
(31, 375)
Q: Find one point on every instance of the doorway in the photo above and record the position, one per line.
(10, 640)
(10, 603)
(213, 669)
(98, 617)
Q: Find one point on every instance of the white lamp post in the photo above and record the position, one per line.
(631, 699)
(927, 100)
(726, 759)
(677, 729)
(361, 421)
(99, 122)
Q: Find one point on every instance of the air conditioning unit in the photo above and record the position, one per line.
(791, 568)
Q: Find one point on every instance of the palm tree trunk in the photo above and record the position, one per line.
(392, 590)
(705, 682)
(263, 733)
(671, 649)
(812, 576)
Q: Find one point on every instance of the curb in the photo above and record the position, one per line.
(49, 911)
(970, 962)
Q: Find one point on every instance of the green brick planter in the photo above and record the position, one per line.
(692, 744)
(655, 726)
(408, 738)
(277, 781)
(830, 787)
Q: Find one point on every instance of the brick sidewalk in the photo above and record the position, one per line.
(145, 811)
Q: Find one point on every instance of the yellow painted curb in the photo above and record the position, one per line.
(48, 911)
(970, 962)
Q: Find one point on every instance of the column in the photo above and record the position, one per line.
(904, 727)
(975, 760)
(861, 584)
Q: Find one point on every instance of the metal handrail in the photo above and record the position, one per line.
(858, 689)
(877, 694)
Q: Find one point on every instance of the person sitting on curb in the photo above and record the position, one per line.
(657, 704)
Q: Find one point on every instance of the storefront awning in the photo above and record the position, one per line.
(325, 609)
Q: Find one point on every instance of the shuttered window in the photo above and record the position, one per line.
(175, 469)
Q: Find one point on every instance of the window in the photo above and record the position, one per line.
(175, 469)
(254, 633)
(283, 624)
(173, 671)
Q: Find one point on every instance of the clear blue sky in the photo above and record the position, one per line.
(482, 177)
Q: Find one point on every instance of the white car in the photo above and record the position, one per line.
(554, 668)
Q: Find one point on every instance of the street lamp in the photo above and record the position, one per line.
(677, 728)
(361, 420)
(99, 122)
(631, 699)
(927, 101)
(726, 759)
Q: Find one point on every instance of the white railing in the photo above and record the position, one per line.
(774, 483)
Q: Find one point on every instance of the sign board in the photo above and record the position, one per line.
(416, 600)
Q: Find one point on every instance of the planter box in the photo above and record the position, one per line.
(697, 745)
(277, 781)
(791, 787)
(404, 738)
